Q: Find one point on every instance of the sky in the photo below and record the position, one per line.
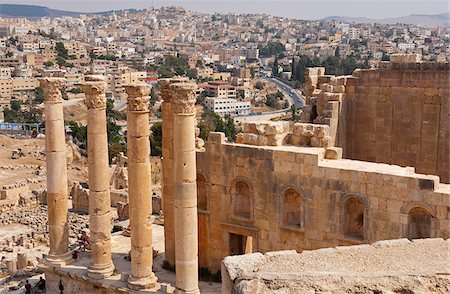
(300, 9)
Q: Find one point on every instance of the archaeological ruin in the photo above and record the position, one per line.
(290, 206)
(329, 180)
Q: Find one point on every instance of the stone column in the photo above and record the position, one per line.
(56, 154)
(167, 184)
(101, 265)
(185, 200)
(140, 188)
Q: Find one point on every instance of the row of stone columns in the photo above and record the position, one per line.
(183, 202)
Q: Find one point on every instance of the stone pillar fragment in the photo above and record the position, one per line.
(101, 265)
(139, 188)
(185, 199)
(167, 184)
(55, 153)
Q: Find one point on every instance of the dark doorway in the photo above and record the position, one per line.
(237, 244)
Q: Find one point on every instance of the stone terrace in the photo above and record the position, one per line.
(393, 266)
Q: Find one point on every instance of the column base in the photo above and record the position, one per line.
(59, 260)
(143, 283)
(100, 272)
(179, 291)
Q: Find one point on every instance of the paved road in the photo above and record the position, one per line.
(298, 99)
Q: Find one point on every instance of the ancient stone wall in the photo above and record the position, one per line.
(289, 197)
(390, 266)
(399, 114)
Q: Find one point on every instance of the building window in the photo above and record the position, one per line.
(354, 214)
(242, 200)
(202, 193)
(292, 208)
(419, 223)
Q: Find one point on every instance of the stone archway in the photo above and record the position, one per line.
(354, 218)
(242, 200)
(292, 208)
(419, 223)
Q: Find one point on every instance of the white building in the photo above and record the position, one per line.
(224, 106)
(354, 33)
(406, 46)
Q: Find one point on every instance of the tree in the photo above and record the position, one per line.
(15, 105)
(153, 98)
(156, 139)
(61, 50)
(79, 134)
(252, 72)
(49, 63)
(38, 95)
(271, 49)
(212, 122)
(275, 67)
(9, 54)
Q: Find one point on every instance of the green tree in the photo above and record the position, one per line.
(271, 49)
(61, 50)
(252, 72)
(212, 122)
(38, 95)
(79, 134)
(153, 98)
(49, 63)
(156, 139)
(10, 115)
(15, 105)
(275, 67)
(9, 54)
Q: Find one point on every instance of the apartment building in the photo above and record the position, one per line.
(219, 89)
(224, 106)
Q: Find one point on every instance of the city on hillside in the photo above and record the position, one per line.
(168, 150)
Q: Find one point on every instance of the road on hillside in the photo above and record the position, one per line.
(289, 92)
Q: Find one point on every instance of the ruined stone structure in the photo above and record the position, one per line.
(101, 276)
(98, 170)
(55, 152)
(389, 266)
(140, 201)
(301, 186)
(396, 114)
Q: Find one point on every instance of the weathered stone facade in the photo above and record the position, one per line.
(291, 197)
(396, 114)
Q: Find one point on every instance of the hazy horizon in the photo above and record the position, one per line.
(287, 8)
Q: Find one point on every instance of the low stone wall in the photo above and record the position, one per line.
(264, 134)
(391, 266)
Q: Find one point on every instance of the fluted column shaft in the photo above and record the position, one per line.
(101, 265)
(140, 188)
(185, 200)
(167, 184)
(55, 151)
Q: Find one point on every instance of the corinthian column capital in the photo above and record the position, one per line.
(138, 98)
(94, 89)
(164, 84)
(183, 97)
(52, 89)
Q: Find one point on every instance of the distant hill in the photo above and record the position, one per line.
(32, 11)
(435, 20)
